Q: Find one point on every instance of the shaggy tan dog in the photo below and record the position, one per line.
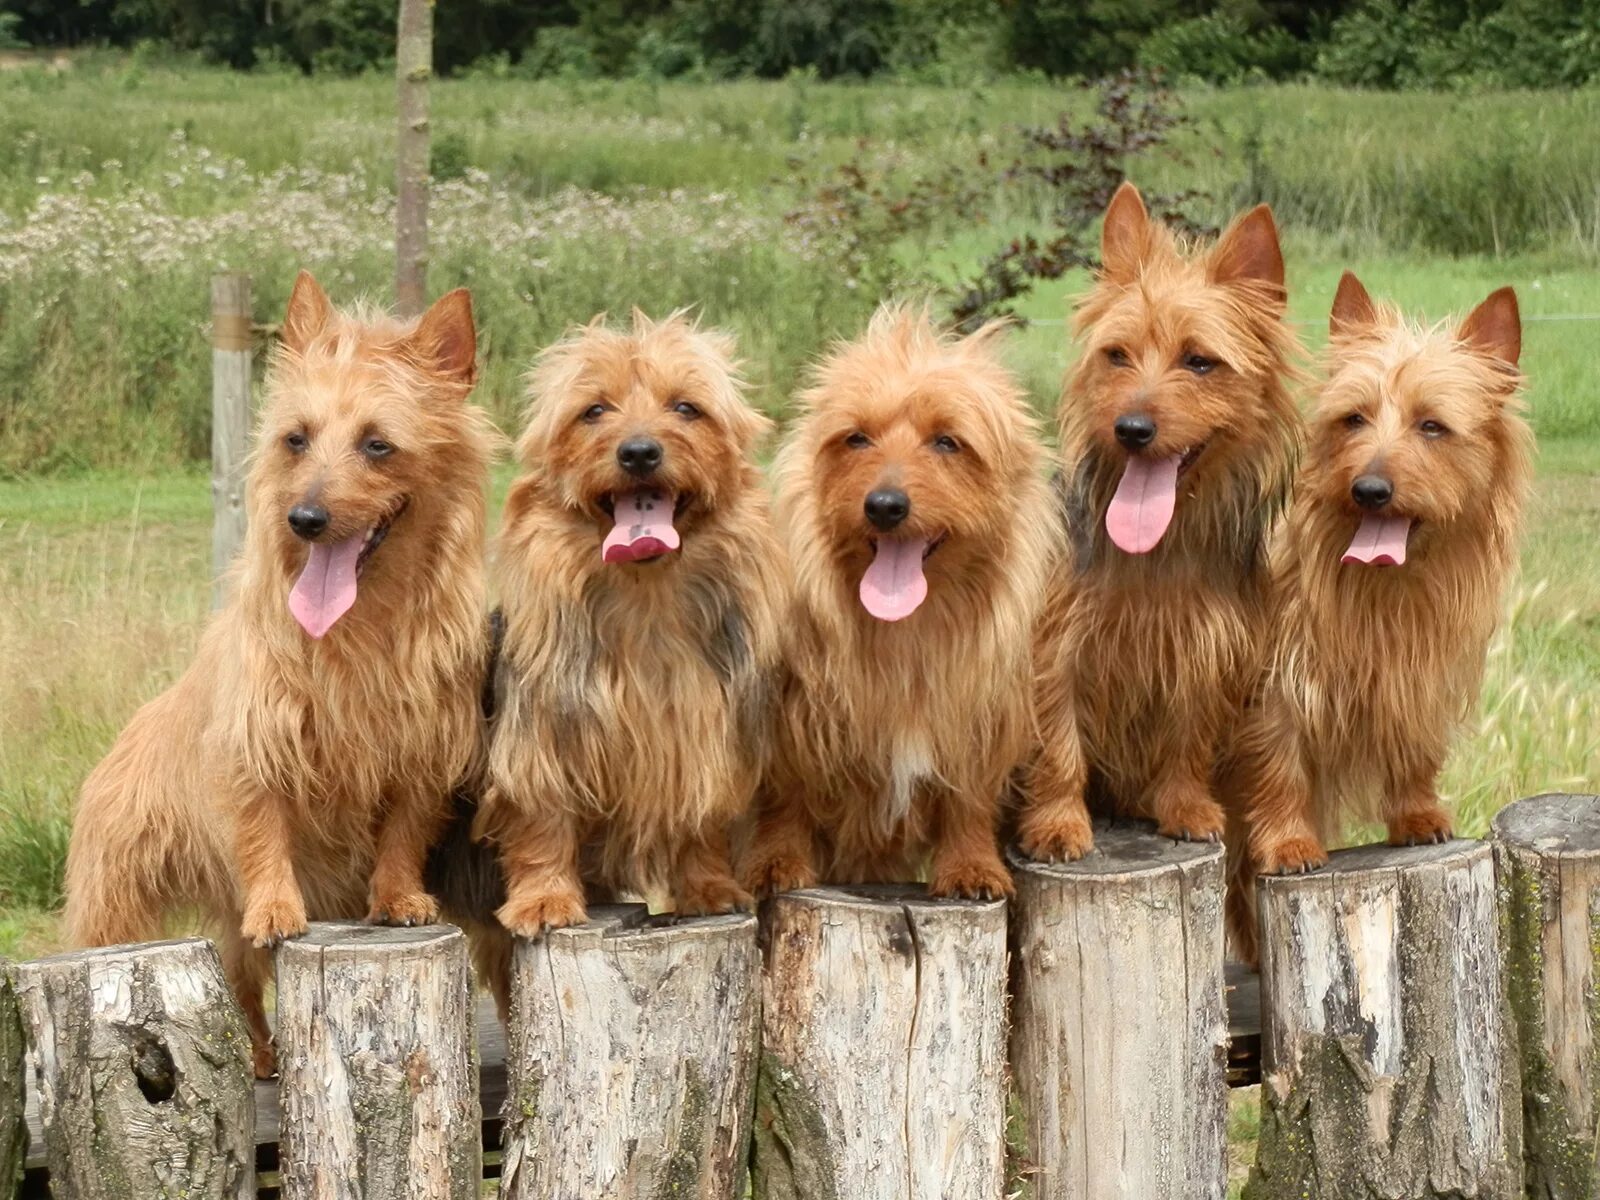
(912, 497)
(302, 766)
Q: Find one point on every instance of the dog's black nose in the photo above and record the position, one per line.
(1135, 431)
(887, 507)
(1372, 491)
(639, 456)
(308, 520)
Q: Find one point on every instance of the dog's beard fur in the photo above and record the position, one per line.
(1143, 659)
(897, 738)
(1372, 668)
(633, 699)
(336, 735)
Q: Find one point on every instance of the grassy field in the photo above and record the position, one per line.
(124, 185)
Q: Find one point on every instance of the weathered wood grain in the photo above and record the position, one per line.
(141, 1061)
(1388, 1063)
(13, 1125)
(378, 1068)
(883, 1059)
(1547, 849)
(631, 1059)
(1119, 1034)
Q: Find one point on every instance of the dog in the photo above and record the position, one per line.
(1179, 437)
(302, 765)
(1387, 584)
(919, 523)
(641, 582)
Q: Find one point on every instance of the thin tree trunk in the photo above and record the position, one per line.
(413, 69)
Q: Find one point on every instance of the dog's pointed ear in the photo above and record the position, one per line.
(308, 313)
(1125, 236)
(1352, 306)
(1495, 327)
(446, 339)
(1248, 250)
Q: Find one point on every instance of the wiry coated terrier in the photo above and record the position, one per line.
(302, 765)
(641, 581)
(1178, 439)
(919, 525)
(1388, 583)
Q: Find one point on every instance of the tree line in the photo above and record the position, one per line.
(1367, 43)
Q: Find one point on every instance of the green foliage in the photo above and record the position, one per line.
(1220, 47)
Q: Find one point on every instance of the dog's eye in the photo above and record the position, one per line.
(1117, 356)
(1198, 363)
(858, 441)
(1354, 421)
(593, 413)
(1432, 429)
(945, 444)
(686, 410)
(297, 442)
(376, 448)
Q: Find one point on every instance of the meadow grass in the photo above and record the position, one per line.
(125, 183)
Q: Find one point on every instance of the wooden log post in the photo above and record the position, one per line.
(1388, 1063)
(1547, 852)
(631, 1059)
(883, 1060)
(378, 1065)
(141, 1060)
(1119, 1034)
(13, 1125)
(232, 357)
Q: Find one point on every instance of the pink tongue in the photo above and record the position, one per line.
(327, 586)
(643, 527)
(1142, 508)
(894, 584)
(1381, 541)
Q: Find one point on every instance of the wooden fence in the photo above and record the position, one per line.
(1429, 1019)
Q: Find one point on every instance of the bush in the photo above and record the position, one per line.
(1221, 48)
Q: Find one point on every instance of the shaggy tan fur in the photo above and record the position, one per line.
(284, 778)
(897, 738)
(1144, 659)
(1373, 668)
(633, 699)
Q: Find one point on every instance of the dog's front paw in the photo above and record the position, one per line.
(710, 897)
(1199, 820)
(1291, 856)
(1056, 839)
(1420, 827)
(770, 874)
(272, 920)
(404, 908)
(537, 913)
(972, 879)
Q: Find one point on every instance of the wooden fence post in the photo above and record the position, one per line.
(232, 356)
(13, 1128)
(1388, 1065)
(378, 1065)
(1547, 849)
(1119, 1033)
(142, 1064)
(883, 1058)
(631, 1059)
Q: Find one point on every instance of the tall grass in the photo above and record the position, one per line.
(123, 186)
